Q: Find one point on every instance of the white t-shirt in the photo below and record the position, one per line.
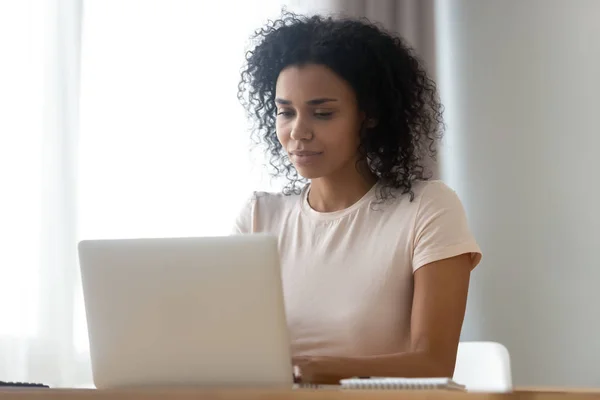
(347, 275)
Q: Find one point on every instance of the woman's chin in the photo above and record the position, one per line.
(308, 173)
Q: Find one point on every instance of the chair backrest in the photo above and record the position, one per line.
(483, 367)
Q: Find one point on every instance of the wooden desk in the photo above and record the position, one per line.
(300, 394)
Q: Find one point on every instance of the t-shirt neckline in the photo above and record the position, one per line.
(328, 216)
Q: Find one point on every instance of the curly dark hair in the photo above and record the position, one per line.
(390, 83)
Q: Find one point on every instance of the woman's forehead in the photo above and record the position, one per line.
(309, 82)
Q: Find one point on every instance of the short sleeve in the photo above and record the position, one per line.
(244, 222)
(441, 228)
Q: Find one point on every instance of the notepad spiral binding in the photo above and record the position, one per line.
(400, 384)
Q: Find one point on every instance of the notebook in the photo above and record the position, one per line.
(401, 384)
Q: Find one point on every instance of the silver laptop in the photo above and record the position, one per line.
(186, 312)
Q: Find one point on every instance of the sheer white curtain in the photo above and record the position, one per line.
(39, 44)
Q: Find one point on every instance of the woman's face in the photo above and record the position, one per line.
(318, 120)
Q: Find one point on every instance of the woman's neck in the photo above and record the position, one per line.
(329, 195)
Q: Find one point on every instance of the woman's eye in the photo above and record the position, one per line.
(284, 113)
(323, 114)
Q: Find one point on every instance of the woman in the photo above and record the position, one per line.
(375, 258)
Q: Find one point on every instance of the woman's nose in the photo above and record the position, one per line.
(301, 131)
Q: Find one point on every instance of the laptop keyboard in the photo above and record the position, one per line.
(22, 384)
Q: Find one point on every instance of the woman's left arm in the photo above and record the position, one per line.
(439, 302)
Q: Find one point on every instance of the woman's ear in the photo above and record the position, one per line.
(368, 122)
(371, 123)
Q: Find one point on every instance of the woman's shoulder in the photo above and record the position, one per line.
(441, 228)
(263, 207)
(424, 192)
(433, 189)
(273, 200)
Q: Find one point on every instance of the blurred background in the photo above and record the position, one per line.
(119, 118)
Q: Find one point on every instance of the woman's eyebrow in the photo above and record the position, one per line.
(319, 101)
(313, 102)
(282, 101)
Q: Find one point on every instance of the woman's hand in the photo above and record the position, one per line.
(319, 370)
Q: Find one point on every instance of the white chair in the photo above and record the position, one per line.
(483, 367)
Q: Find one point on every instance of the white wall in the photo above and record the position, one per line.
(521, 83)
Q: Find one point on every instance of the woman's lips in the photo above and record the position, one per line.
(305, 157)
